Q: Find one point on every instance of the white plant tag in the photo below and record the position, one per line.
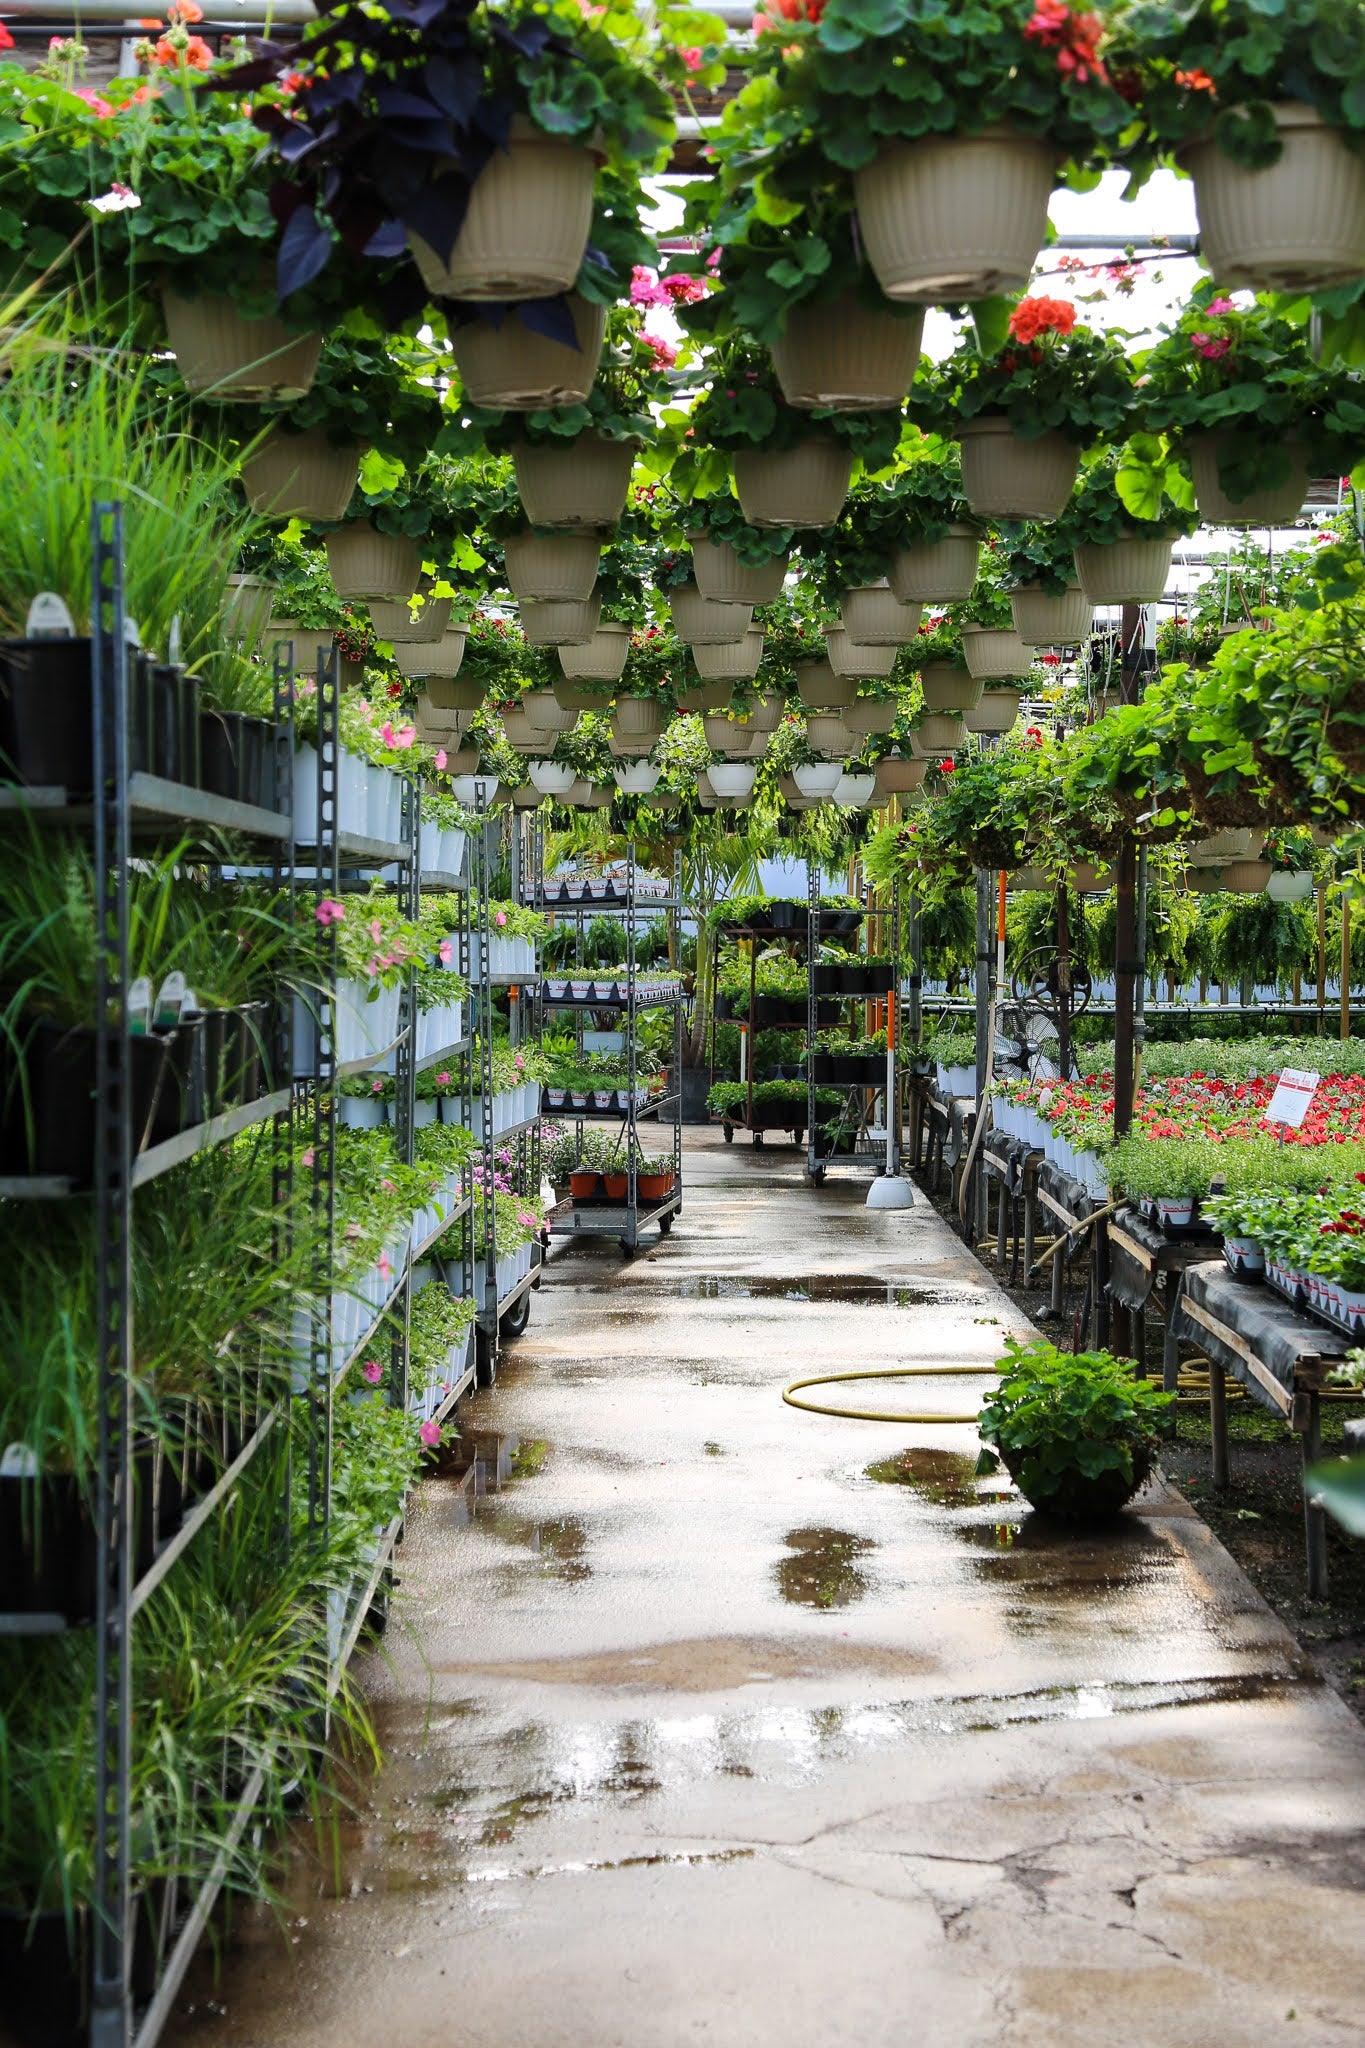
(170, 1001)
(49, 619)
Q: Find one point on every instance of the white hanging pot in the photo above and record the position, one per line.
(724, 579)
(1289, 887)
(1298, 225)
(848, 658)
(938, 733)
(734, 660)
(300, 476)
(640, 779)
(827, 734)
(512, 367)
(847, 356)
(474, 790)
(1042, 620)
(366, 563)
(994, 711)
(1006, 477)
(395, 622)
(873, 616)
(818, 780)
(601, 659)
(937, 572)
(802, 486)
(995, 651)
(552, 567)
(819, 689)
(222, 353)
(1128, 571)
(870, 714)
(552, 778)
(853, 791)
(579, 483)
(637, 718)
(704, 623)
(435, 657)
(955, 217)
(1278, 506)
(559, 623)
(526, 225)
(731, 779)
(950, 689)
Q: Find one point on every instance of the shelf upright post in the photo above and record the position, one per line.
(110, 2014)
(409, 892)
(893, 1025)
(488, 1351)
(632, 1196)
(675, 921)
(284, 881)
(323, 1083)
(812, 1001)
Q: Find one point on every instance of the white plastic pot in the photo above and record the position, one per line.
(847, 356)
(818, 780)
(1297, 225)
(853, 791)
(552, 778)
(1006, 477)
(873, 616)
(702, 622)
(1042, 620)
(955, 217)
(731, 779)
(637, 780)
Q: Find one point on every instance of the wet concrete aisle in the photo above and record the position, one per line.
(727, 1723)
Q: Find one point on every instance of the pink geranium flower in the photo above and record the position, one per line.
(430, 1433)
(373, 1371)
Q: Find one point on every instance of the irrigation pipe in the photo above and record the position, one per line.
(886, 1372)
(1071, 1238)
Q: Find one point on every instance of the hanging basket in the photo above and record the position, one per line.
(819, 689)
(1090, 878)
(366, 563)
(847, 657)
(579, 483)
(572, 697)
(704, 623)
(950, 689)
(526, 226)
(994, 711)
(300, 476)
(459, 760)
(637, 718)
(247, 607)
(221, 353)
(441, 717)
(546, 714)
(870, 714)
(440, 658)
(1278, 506)
(803, 486)
(1029, 878)
(723, 579)
(518, 370)
(1234, 843)
(708, 697)
(874, 616)
(1296, 226)
(1127, 571)
(731, 780)
(937, 733)
(828, 735)
(1245, 877)
(1042, 620)
(847, 356)
(899, 778)
(601, 659)
(552, 567)
(519, 731)
(394, 621)
(733, 660)
(1006, 477)
(995, 651)
(938, 572)
(559, 623)
(955, 217)
(448, 693)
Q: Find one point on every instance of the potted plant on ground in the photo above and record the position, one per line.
(1025, 410)
(1077, 1432)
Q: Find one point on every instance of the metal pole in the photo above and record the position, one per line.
(984, 937)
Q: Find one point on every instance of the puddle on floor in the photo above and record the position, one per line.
(947, 1478)
(1055, 1562)
(560, 1544)
(823, 1569)
(855, 1290)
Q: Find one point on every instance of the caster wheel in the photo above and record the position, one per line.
(516, 1319)
(628, 1250)
(758, 1141)
(665, 1225)
(729, 1130)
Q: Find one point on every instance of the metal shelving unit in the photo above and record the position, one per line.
(867, 1149)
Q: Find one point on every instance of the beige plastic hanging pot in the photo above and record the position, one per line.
(873, 616)
(846, 355)
(366, 563)
(575, 697)
(994, 711)
(1246, 877)
(1042, 620)
(1006, 477)
(950, 689)
(995, 651)
(871, 714)
(519, 731)
(459, 760)
(733, 660)
(848, 657)
(552, 567)
(442, 717)
(1090, 878)
(577, 483)
(819, 689)
(636, 718)
(723, 579)
(514, 368)
(937, 572)
(707, 696)
(601, 659)
(938, 732)
(898, 778)
(222, 353)
(1234, 842)
(548, 715)
(560, 622)
(1132, 570)
(526, 226)
(828, 735)
(440, 658)
(300, 476)
(703, 622)
(449, 693)
(1297, 225)
(955, 217)
(1279, 505)
(802, 486)
(394, 621)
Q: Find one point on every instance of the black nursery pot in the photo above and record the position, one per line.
(181, 1104)
(47, 1550)
(222, 747)
(190, 718)
(880, 980)
(43, 1975)
(826, 979)
(163, 698)
(258, 763)
(853, 981)
(45, 736)
(61, 1081)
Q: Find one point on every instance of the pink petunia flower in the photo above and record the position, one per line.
(430, 1433)
(329, 911)
(373, 1371)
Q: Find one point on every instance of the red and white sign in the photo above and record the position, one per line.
(1293, 1097)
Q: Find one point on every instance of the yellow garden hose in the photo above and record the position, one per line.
(886, 1372)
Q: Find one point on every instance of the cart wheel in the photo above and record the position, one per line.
(758, 1141)
(516, 1319)
(729, 1130)
(628, 1250)
(816, 1176)
(665, 1224)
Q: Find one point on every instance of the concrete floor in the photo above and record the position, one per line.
(701, 1733)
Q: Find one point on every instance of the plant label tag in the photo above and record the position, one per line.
(1293, 1097)
(170, 1001)
(140, 1007)
(20, 1461)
